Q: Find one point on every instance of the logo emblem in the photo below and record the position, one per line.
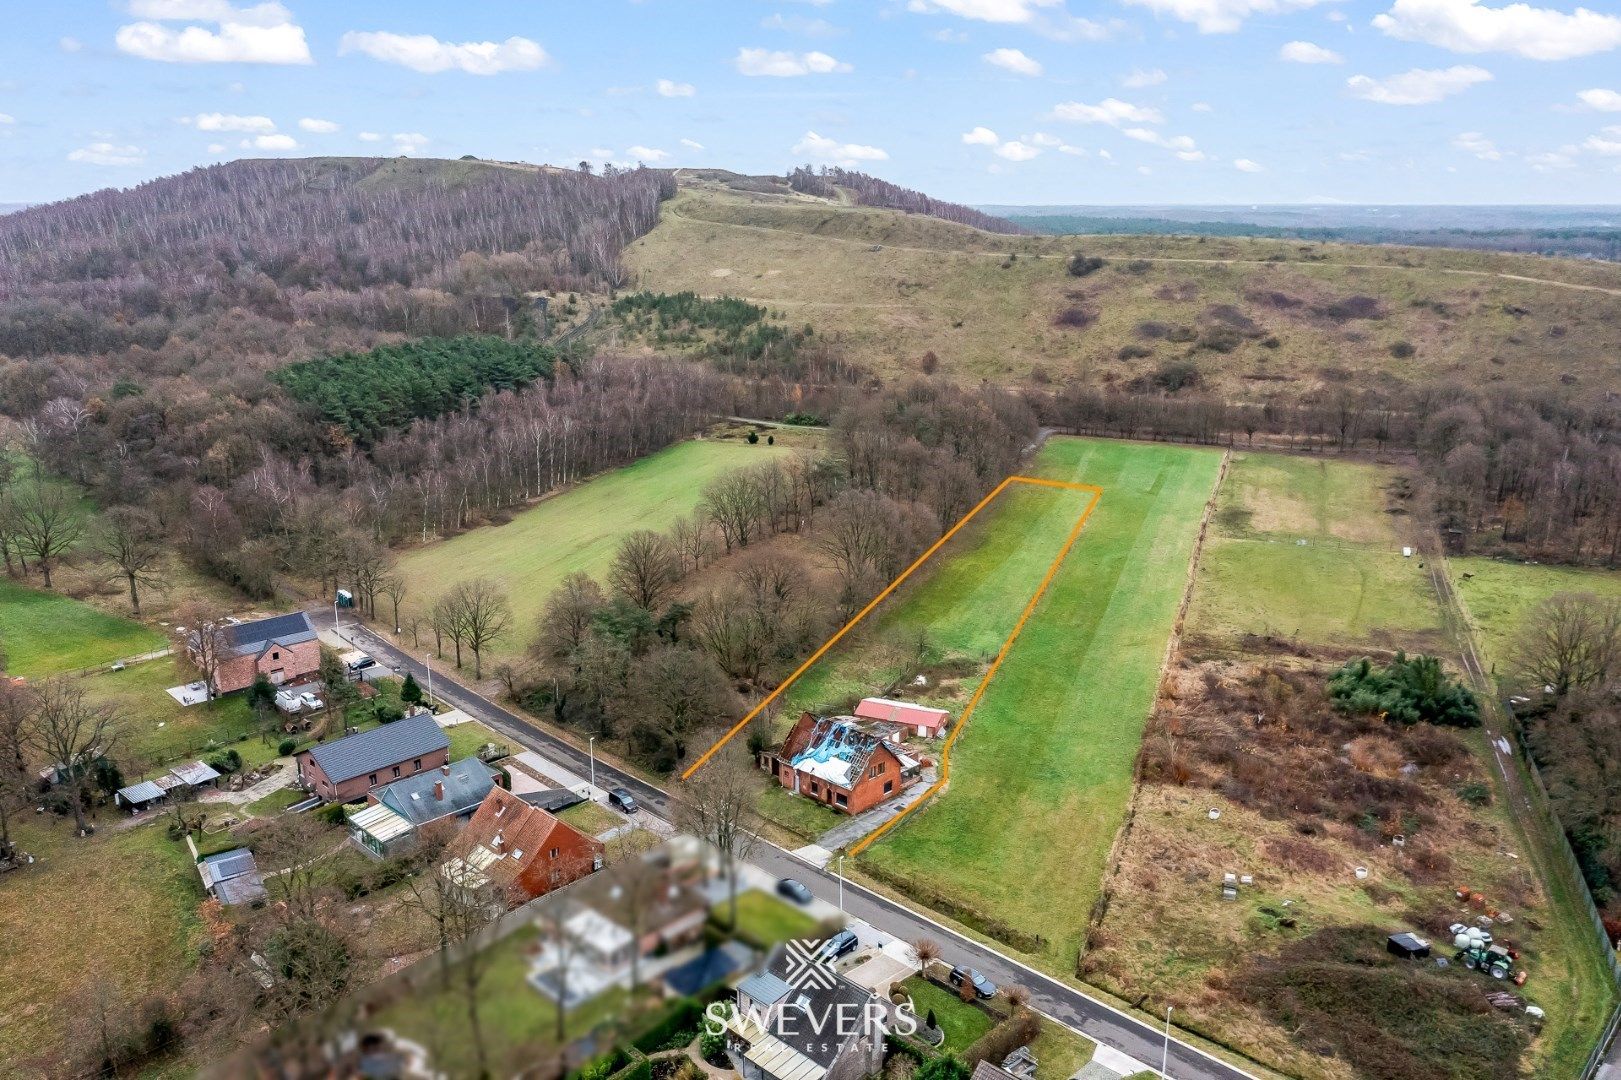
(807, 968)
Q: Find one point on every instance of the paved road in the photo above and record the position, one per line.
(1058, 1000)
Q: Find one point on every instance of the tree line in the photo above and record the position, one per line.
(871, 191)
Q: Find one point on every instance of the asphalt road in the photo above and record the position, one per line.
(1062, 1002)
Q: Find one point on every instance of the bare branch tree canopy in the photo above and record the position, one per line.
(204, 639)
(131, 539)
(645, 570)
(566, 621)
(395, 589)
(73, 733)
(480, 610)
(48, 522)
(16, 735)
(717, 806)
(675, 691)
(1570, 641)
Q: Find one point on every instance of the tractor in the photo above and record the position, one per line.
(1477, 952)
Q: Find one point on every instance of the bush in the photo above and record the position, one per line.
(1174, 375)
(1134, 352)
(227, 763)
(1403, 350)
(387, 712)
(1406, 691)
(1074, 317)
(1082, 265)
(286, 748)
(332, 814)
(1019, 1029)
(678, 1027)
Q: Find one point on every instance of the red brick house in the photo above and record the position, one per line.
(282, 648)
(519, 849)
(836, 761)
(345, 769)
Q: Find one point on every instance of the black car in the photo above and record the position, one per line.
(982, 986)
(622, 800)
(794, 890)
(838, 945)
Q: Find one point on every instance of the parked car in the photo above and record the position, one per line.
(794, 890)
(309, 699)
(288, 702)
(840, 944)
(360, 664)
(622, 800)
(982, 986)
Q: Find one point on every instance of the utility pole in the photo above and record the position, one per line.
(1165, 1058)
(841, 881)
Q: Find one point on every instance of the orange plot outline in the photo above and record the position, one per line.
(979, 691)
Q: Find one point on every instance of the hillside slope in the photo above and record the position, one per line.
(1248, 318)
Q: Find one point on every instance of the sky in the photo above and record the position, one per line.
(981, 101)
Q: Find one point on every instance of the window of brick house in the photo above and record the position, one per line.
(416, 766)
(396, 772)
(372, 780)
(554, 852)
(275, 656)
(841, 800)
(889, 785)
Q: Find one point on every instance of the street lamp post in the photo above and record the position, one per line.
(337, 627)
(428, 660)
(591, 748)
(1165, 1058)
(841, 882)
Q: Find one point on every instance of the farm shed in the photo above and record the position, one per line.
(139, 796)
(232, 877)
(927, 722)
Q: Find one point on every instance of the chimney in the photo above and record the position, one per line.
(438, 791)
(496, 841)
(444, 770)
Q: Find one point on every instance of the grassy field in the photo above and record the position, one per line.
(1305, 549)
(576, 531)
(1499, 595)
(764, 920)
(895, 286)
(45, 633)
(1041, 778)
(155, 729)
(116, 910)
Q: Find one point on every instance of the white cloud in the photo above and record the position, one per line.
(820, 148)
(1182, 146)
(1473, 142)
(947, 36)
(799, 24)
(69, 44)
(429, 55)
(1014, 150)
(1608, 144)
(1602, 100)
(229, 122)
(216, 148)
(1221, 16)
(1421, 86)
(1041, 138)
(980, 136)
(995, 11)
(1244, 164)
(1013, 60)
(1203, 107)
(6, 119)
(671, 89)
(262, 34)
(1111, 111)
(692, 144)
(270, 142)
(1534, 33)
(102, 153)
(370, 136)
(1304, 52)
(1550, 162)
(646, 153)
(408, 142)
(1140, 79)
(317, 126)
(783, 65)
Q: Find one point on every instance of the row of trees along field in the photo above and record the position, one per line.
(420, 248)
(649, 659)
(1526, 472)
(871, 191)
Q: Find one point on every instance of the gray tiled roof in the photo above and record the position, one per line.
(357, 755)
(468, 781)
(797, 1017)
(250, 638)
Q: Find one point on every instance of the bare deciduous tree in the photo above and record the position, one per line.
(717, 806)
(47, 523)
(73, 733)
(481, 610)
(131, 540)
(1570, 641)
(645, 570)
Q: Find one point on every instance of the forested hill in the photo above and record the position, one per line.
(401, 245)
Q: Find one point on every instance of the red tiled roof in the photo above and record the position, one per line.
(901, 712)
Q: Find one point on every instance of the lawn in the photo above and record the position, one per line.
(44, 633)
(157, 732)
(1305, 549)
(575, 531)
(114, 911)
(1041, 778)
(963, 1023)
(1499, 595)
(467, 739)
(519, 1022)
(590, 818)
(763, 920)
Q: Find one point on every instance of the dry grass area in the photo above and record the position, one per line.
(1255, 316)
(1293, 972)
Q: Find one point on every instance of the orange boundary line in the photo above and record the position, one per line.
(945, 765)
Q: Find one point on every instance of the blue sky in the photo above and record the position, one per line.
(1004, 101)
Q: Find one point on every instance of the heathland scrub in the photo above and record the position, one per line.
(1041, 778)
(575, 531)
